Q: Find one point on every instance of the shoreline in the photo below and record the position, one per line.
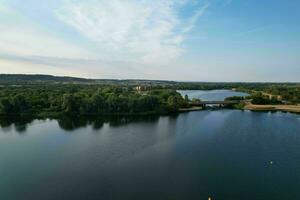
(282, 108)
(195, 108)
(248, 106)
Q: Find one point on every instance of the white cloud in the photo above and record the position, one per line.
(130, 38)
(22, 41)
(192, 21)
(74, 67)
(19, 36)
(23, 67)
(147, 31)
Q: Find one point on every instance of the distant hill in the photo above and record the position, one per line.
(38, 78)
(25, 79)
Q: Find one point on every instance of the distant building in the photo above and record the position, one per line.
(138, 88)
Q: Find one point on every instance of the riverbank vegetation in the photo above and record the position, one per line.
(259, 101)
(287, 91)
(44, 95)
(87, 100)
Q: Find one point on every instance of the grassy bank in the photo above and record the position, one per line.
(284, 108)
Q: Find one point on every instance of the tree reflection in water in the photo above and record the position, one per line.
(19, 123)
(67, 123)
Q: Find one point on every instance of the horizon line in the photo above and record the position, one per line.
(141, 79)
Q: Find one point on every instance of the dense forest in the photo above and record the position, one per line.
(86, 100)
(44, 95)
(288, 91)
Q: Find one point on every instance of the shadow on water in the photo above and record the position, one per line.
(19, 123)
(69, 123)
(73, 123)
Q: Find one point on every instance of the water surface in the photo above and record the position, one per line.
(211, 95)
(225, 154)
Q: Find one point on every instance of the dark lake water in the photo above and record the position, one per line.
(211, 95)
(225, 154)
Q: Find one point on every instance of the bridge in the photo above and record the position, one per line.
(215, 103)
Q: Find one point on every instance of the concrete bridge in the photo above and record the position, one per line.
(214, 103)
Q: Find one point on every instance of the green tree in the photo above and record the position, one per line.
(69, 103)
(186, 98)
(98, 103)
(6, 106)
(174, 102)
(20, 104)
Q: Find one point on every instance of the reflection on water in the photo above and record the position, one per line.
(71, 123)
(225, 154)
(19, 123)
(68, 123)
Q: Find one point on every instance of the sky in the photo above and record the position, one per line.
(183, 40)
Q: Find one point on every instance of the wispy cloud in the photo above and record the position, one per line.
(192, 21)
(118, 36)
(22, 37)
(72, 66)
(138, 31)
(252, 30)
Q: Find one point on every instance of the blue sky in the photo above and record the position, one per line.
(193, 40)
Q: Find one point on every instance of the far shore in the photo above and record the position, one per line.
(194, 108)
(284, 108)
(253, 107)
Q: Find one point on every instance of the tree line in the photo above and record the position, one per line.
(87, 100)
(256, 98)
(288, 91)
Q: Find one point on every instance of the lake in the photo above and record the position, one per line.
(211, 95)
(223, 154)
